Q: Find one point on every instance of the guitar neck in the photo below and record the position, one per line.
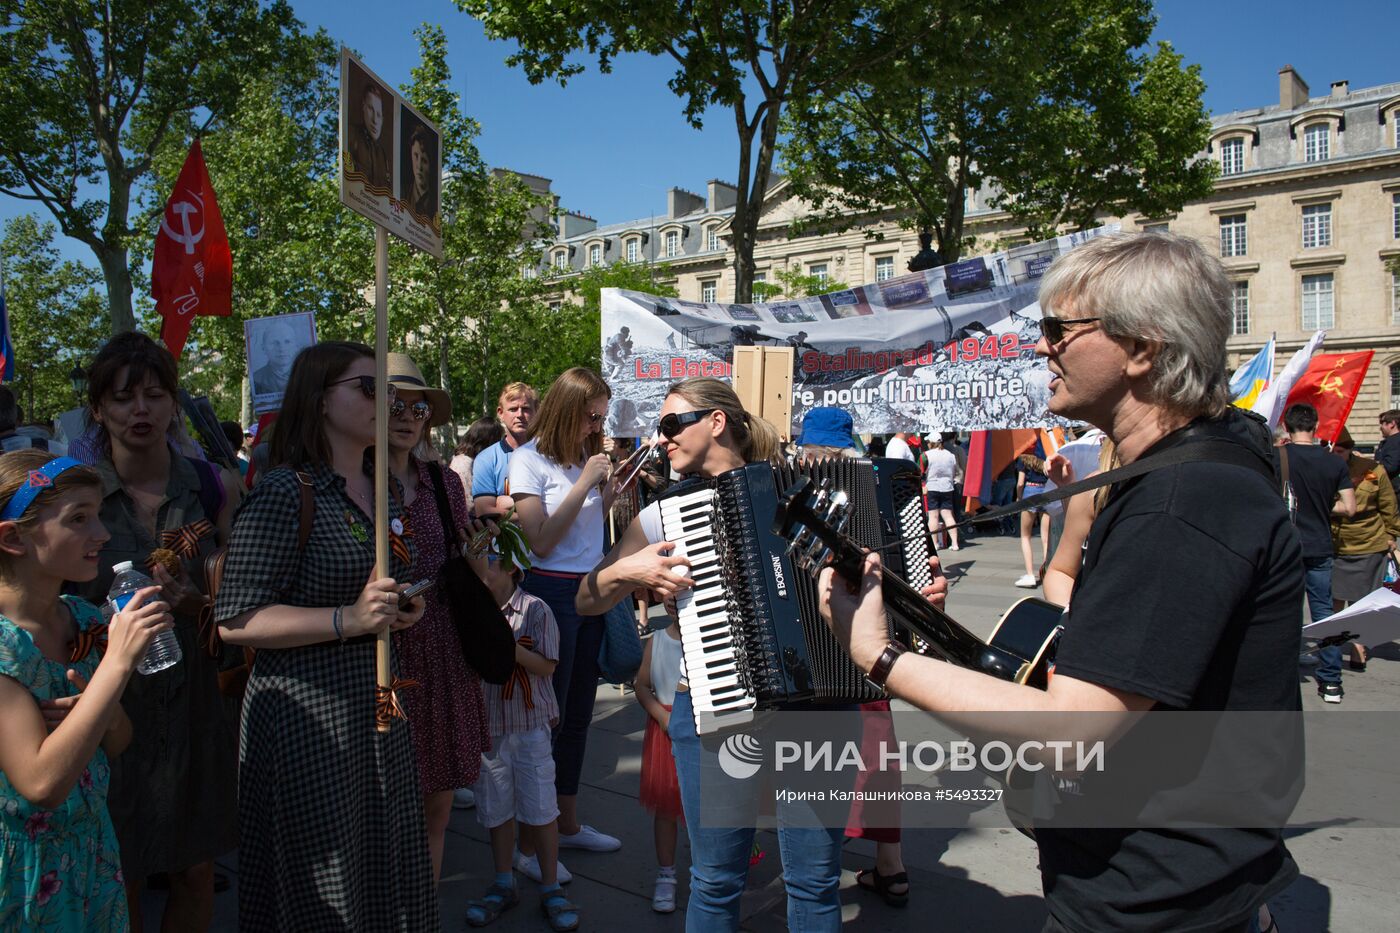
(949, 639)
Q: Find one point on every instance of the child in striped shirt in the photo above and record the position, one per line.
(517, 775)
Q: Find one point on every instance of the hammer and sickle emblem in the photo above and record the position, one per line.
(184, 209)
(1332, 385)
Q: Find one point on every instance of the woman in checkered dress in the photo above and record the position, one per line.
(330, 817)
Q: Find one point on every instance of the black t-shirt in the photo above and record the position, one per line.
(1189, 596)
(1316, 475)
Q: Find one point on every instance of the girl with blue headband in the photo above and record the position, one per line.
(62, 673)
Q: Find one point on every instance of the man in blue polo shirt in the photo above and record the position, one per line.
(491, 469)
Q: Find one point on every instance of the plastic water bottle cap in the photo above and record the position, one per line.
(123, 566)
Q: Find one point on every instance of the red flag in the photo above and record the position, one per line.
(192, 270)
(1330, 384)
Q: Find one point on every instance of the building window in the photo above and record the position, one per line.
(1317, 226)
(1239, 307)
(634, 249)
(1395, 385)
(1155, 228)
(1318, 310)
(1232, 235)
(1232, 156)
(561, 259)
(673, 243)
(1395, 298)
(1316, 142)
(709, 291)
(712, 239)
(527, 272)
(817, 270)
(884, 268)
(1395, 211)
(595, 255)
(555, 305)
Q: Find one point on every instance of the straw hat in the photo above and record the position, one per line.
(405, 374)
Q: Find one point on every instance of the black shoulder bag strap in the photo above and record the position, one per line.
(1217, 451)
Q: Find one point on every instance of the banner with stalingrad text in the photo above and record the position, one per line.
(951, 348)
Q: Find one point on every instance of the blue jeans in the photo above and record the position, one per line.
(575, 676)
(719, 858)
(1317, 583)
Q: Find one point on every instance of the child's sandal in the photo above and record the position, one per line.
(561, 914)
(498, 899)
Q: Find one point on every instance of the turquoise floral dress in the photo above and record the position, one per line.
(59, 869)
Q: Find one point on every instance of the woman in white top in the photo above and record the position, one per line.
(557, 480)
(940, 479)
(707, 433)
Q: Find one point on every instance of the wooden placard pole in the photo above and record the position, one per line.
(382, 567)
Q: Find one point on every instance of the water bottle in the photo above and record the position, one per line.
(164, 650)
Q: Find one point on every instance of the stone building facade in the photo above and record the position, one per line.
(1305, 215)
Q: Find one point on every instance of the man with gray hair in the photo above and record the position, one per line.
(1188, 599)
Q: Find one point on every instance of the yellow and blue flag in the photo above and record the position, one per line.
(1253, 377)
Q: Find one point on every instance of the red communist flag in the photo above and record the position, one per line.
(192, 271)
(1330, 384)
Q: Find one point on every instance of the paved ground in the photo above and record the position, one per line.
(968, 879)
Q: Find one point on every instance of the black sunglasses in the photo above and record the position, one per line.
(594, 417)
(366, 385)
(1054, 327)
(674, 424)
(420, 409)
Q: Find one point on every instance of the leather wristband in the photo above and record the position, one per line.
(880, 672)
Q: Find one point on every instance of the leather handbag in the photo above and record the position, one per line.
(485, 637)
(620, 657)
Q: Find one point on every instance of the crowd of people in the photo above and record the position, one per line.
(269, 735)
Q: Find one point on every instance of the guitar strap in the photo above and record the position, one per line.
(1206, 449)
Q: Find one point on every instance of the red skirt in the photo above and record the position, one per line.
(661, 791)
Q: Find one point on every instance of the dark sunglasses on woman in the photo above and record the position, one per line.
(1054, 327)
(673, 424)
(420, 409)
(366, 385)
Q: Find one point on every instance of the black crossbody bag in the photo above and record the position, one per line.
(486, 638)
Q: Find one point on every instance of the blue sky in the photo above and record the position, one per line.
(614, 144)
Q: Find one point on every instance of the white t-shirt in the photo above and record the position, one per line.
(531, 473)
(942, 470)
(650, 520)
(898, 448)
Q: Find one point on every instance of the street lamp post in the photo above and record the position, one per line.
(79, 380)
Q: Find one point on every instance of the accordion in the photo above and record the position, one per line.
(751, 633)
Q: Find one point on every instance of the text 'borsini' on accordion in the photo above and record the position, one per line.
(752, 636)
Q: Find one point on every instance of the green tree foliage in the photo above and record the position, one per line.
(1056, 105)
(57, 317)
(473, 318)
(651, 278)
(95, 88)
(794, 283)
(749, 57)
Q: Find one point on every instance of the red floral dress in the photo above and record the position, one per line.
(446, 712)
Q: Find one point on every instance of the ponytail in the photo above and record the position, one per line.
(756, 439)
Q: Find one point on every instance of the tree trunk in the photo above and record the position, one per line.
(117, 274)
(449, 430)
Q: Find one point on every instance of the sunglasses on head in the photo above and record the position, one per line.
(366, 385)
(673, 424)
(420, 409)
(1054, 327)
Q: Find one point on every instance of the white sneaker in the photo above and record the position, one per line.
(589, 838)
(463, 799)
(529, 866)
(1027, 582)
(663, 900)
